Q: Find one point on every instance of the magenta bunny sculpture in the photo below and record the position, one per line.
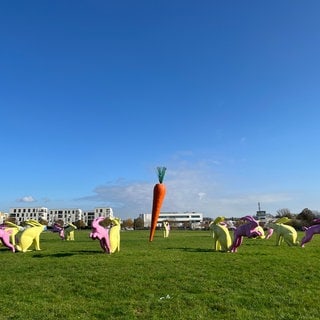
(310, 232)
(58, 228)
(245, 230)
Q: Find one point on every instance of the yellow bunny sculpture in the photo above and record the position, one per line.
(114, 235)
(30, 235)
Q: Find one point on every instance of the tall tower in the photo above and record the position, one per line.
(261, 214)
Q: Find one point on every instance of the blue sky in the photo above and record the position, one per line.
(95, 95)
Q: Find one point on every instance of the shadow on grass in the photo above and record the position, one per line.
(202, 250)
(192, 249)
(67, 254)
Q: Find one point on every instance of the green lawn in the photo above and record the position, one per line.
(175, 278)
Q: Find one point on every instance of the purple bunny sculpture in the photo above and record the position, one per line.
(57, 228)
(245, 230)
(310, 232)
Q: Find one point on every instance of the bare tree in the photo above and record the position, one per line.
(128, 223)
(80, 224)
(306, 215)
(138, 223)
(285, 212)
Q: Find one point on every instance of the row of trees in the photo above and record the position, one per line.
(304, 218)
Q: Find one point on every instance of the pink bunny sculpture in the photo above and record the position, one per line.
(310, 231)
(101, 233)
(5, 238)
(248, 230)
(12, 229)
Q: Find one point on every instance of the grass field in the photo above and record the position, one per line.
(180, 277)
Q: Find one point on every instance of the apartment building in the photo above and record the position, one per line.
(22, 214)
(89, 216)
(65, 214)
(176, 218)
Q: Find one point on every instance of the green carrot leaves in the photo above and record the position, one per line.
(161, 173)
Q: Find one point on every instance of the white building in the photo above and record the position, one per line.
(66, 215)
(22, 214)
(263, 217)
(3, 217)
(176, 218)
(89, 216)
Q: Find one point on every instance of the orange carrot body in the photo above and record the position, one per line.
(159, 192)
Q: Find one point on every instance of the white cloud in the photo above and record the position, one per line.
(188, 189)
(27, 199)
(201, 195)
(123, 195)
(196, 187)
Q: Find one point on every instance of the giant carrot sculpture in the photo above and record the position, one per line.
(159, 192)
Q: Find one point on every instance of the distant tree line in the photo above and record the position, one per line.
(304, 218)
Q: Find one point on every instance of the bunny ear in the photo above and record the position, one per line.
(248, 218)
(99, 219)
(33, 223)
(11, 224)
(116, 221)
(218, 220)
(29, 222)
(283, 220)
